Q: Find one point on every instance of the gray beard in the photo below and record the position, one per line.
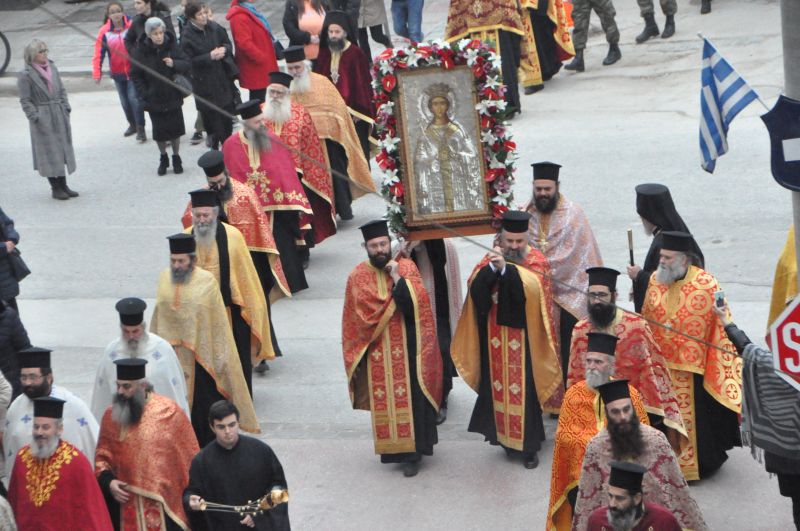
(624, 521)
(127, 411)
(46, 450)
(516, 255)
(258, 138)
(669, 274)
(181, 276)
(133, 348)
(336, 45)
(278, 112)
(205, 234)
(302, 83)
(595, 378)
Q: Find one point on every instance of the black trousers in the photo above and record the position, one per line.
(217, 125)
(566, 325)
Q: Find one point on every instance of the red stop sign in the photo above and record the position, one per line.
(785, 339)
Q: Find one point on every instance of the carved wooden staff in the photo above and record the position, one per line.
(630, 244)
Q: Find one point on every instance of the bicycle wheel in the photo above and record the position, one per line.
(5, 53)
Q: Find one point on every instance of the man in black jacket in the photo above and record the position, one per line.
(9, 238)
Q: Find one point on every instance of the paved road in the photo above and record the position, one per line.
(611, 128)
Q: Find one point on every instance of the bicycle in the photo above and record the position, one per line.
(5, 53)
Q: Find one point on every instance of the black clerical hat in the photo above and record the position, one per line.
(516, 221)
(294, 54)
(212, 163)
(249, 109)
(130, 368)
(626, 476)
(652, 198)
(672, 240)
(280, 78)
(34, 358)
(204, 198)
(181, 243)
(131, 311)
(545, 170)
(614, 390)
(339, 18)
(47, 406)
(603, 276)
(374, 229)
(603, 343)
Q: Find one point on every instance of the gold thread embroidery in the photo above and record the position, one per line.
(43, 474)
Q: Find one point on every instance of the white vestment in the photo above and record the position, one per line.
(80, 427)
(163, 371)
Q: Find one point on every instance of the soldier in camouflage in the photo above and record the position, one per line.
(581, 11)
(646, 9)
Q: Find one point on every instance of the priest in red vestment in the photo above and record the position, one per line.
(52, 486)
(390, 352)
(255, 156)
(626, 506)
(341, 61)
(142, 461)
(293, 124)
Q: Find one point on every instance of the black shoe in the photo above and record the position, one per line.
(197, 137)
(441, 416)
(705, 7)
(56, 190)
(613, 56)
(531, 462)
(410, 468)
(650, 29)
(669, 27)
(533, 89)
(62, 181)
(131, 130)
(261, 368)
(141, 136)
(305, 262)
(177, 164)
(577, 63)
(163, 164)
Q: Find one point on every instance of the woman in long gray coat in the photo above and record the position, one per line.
(44, 101)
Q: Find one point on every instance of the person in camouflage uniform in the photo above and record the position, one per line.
(646, 9)
(581, 11)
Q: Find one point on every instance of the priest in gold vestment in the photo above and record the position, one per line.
(190, 314)
(142, 461)
(222, 250)
(334, 125)
(505, 347)
(706, 374)
(391, 355)
(582, 417)
(548, 40)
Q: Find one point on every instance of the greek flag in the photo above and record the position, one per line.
(723, 95)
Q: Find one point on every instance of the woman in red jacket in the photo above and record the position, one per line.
(255, 52)
(111, 42)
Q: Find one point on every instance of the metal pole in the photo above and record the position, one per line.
(790, 22)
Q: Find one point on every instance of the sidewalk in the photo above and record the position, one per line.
(71, 29)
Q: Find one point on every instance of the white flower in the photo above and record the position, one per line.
(389, 177)
(396, 208)
(487, 137)
(495, 164)
(386, 108)
(386, 67)
(463, 43)
(483, 106)
(440, 43)
(389, 144)
(413, 58)
(495, 60)
(502, 198)
(471, 55)
(492, 82)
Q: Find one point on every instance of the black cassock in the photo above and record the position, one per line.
(511, 313)
(342, 194)
(233, 477)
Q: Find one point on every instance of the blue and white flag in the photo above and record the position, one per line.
(723, 95)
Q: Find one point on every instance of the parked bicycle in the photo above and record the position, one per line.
(5, 53)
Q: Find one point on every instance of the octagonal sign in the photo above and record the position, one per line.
(785, 339)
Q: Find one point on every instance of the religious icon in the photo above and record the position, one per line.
(441, 149)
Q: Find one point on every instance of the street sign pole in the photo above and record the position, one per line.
(790, 22)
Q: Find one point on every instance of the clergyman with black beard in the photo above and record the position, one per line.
(36, 381)
(626, 509)
(625, 439)
(561, 231)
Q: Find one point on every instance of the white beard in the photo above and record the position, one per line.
(206, 235)
(302, 83)
(46, 450)
(134, 352)
(280, 113)
(595, 378)
(668, 275)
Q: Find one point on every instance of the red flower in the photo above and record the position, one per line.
(511, 145)
(477, 71)
(386, 54)
(424, 51)
(487, 122)
(475, 44)
(498, 210)
(489, 94)
(447, 59)
(397, 190)
(493, 174)
(389, 82)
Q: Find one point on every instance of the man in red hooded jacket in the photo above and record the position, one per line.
(255, 52)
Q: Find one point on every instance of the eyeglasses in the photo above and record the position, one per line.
(44, 51)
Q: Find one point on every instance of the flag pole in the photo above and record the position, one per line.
(703, 37)
(790, 18)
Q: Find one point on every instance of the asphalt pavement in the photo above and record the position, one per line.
(611, 128)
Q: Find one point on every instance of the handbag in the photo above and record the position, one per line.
(184, 83)
(18, 266)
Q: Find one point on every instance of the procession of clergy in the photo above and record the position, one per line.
(646, 401)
